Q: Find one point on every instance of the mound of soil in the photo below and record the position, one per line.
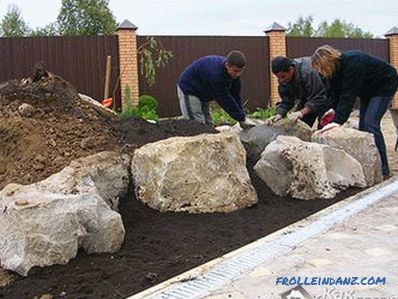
(45, 125)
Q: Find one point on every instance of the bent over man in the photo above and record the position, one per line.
(300, 87)
(210, 78)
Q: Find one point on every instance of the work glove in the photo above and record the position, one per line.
(327, 117)
(271, 120)
(247, 124)
(329, 127)
(295, 116)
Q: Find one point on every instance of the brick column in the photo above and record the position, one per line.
(128, 64)
(392, 36)
(277, 47)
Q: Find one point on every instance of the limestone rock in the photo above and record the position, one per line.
(304, 170)
(45, 223)
(203, 173)
(298, 129)
(360, 145)
(256, 139)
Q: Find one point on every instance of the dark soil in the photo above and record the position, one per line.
(157, 245)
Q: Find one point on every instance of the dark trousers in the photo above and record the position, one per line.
(370, 114)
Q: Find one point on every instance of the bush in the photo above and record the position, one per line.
(147, 102)
(146, 108)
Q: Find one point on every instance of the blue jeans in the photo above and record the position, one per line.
(371, 113)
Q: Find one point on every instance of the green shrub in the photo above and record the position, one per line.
(146, 108)
(148, 102)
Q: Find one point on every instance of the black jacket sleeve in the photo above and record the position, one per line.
(352, 78)
(287, 100)
(316, 96)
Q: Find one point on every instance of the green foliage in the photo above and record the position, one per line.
(128, 100)
(86, 17)
(146, 108)
(48, 30)
(263, 113)
(149, 102)
(152, 56)
(220, 117)
(340, 28)
(13, 24)
(304, 26)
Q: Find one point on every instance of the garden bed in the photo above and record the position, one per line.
(157, 245)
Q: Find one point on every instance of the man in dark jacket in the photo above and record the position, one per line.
(213, 78)
(300, 86)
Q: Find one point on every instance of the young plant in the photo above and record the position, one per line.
(263, 114)
(146, 108)
(152, 55)
(220, 117)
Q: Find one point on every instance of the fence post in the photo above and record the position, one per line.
(392, 36)
(277, 47)
(128, 64)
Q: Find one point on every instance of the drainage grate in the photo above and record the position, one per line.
(229, 269)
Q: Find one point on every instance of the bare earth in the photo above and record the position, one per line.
(390, 138)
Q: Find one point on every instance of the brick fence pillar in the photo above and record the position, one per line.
(128, 64)
(277, 47)
(392, 36)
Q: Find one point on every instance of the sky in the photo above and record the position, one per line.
(222, 17)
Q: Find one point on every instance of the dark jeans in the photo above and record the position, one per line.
(371, 113)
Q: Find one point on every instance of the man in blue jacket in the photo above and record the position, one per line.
(213, 78)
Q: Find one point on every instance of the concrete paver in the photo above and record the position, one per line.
(357, 237)
(364, 246)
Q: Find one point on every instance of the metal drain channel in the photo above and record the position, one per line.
(225, 271)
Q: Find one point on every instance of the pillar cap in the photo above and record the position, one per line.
(275, 27)
(126, 24)
(392, 31)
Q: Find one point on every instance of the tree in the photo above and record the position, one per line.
(13, 24)
(302, 27)
(339, 28)
(48, 30)
(86, 17)
(152, 55)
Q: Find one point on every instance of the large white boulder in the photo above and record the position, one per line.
(305, 170)
(45, 223)
(203, 173)
(257, 138)
(358, 144)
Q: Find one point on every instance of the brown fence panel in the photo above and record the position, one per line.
(255, 79)
(305, 46)
(79, 60)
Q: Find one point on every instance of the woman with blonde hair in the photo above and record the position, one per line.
(355, 74)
